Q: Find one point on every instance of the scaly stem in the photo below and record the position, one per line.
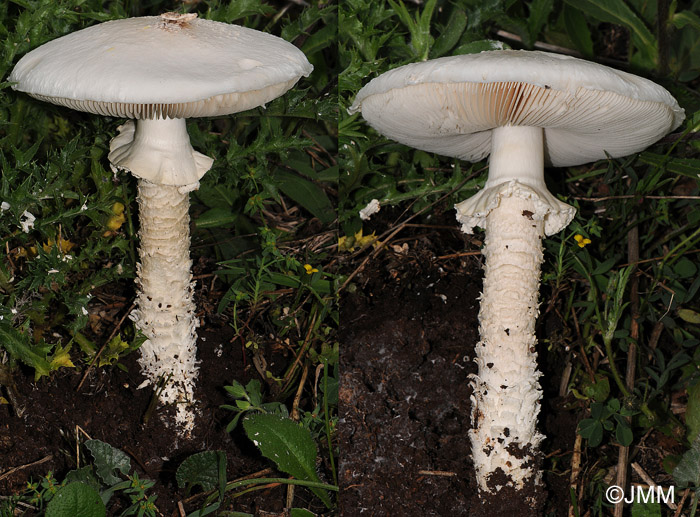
(165, 310)
(506, 390)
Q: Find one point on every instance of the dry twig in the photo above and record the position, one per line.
(11, 471)
(632, 258)
(575, 470)
(104, 345)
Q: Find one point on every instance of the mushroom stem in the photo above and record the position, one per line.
(516, 210)
(158, 152)
(165, 310)
(506, 396)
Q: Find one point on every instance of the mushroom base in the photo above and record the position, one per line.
(505, 403)
(165, 310)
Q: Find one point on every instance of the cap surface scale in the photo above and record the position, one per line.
(161, 66)
(450, 105)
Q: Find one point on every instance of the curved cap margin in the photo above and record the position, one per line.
(150, 66)
(449, 105)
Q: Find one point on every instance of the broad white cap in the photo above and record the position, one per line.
(450, 105)
(173, 65)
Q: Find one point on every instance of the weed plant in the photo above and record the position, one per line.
(262, 220)
(622, 279)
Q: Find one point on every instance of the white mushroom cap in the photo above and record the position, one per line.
(450, 105)
(171, 65)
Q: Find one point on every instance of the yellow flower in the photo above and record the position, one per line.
(310, 269)
(116, 220)
(582, 241)
(64, 246)
(358, 240)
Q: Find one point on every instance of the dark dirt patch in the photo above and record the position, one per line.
(111, 409)
(407, 343)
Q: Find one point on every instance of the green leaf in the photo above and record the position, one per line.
(83, 475)
(242, 8)
(320, 39)
(684, 166)
(17, 345)
(331, 390)
(684, 18)
(301, 512)
(687, 473)
(539, 12)
(597, 390)
(237, 390)
(450, 35)
(307, 194)
(604, 267)
(288, 444)
(577, 29)
(689, 315)
(623, 433)
(108, 459)
(475, 47)
(76, 500)
(204, 469)
(233, 423)
(645, 509)
(618, 12)
(216, 217)
(591, 430)
(685, 268)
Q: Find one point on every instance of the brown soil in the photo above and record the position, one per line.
(407, 342)
(111, 409)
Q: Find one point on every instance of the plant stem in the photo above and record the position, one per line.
(284, 481)
(633, 259)
(327, 422)
(613, 369)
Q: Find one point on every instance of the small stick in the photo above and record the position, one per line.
(295, 417)
(682, 503)
(575, 470)
(632, 258)
(440, 473)
(642, 474)
(21, 467)
(654, 338)
(297, 397)
(302, 352)
(458, 255)
(104, 345)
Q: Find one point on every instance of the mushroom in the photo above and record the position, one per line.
(527, 110)
(160, 70)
